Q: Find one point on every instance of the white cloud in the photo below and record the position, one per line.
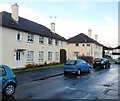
(85, 5)
(111, 21)
(5, 7)
(107, 34)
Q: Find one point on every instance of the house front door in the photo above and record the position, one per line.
(18, 59)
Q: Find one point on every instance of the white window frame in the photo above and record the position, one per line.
(56, 42)
(50, 40)
(41, 39)
(18, 36)
(88, 44)
(30, 56)
(49, 55)
(30, 37)
(41, 55)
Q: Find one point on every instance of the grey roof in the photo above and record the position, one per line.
(27, 26)
(118, 47)
(82, 38)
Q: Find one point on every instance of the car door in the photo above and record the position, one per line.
(4, 78)
(84, 65)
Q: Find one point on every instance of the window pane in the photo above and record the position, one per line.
(41, 39)
(30, 37)
(49, 55)
(18, 35)
(41, 55)
(30, 56)
(2, 71)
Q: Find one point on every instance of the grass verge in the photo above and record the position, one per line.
(37, 68)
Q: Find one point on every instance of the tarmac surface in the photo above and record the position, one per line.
(52, 84)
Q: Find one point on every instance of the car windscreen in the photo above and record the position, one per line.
(70, 62)
(98, 59)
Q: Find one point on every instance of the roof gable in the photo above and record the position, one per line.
(82, 38)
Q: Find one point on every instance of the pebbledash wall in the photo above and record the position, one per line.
(17, 53)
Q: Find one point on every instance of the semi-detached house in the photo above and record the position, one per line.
(83, 45)
(25, 42)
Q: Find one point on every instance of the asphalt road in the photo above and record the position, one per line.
(100, 84)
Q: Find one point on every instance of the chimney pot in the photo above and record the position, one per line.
(53, 27)
(96, 37)
(89, 33)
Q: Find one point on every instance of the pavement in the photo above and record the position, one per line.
(111, 91)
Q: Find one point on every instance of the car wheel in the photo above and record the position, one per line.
(9, 90)
(89, 70)
(104, 66)
(78, 72)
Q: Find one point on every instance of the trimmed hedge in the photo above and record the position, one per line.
(88, 59)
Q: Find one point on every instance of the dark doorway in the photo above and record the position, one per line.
(62, 56)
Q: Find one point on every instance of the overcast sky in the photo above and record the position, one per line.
(73, 18)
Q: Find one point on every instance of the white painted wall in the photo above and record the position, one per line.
(10, 44)
(93, 49)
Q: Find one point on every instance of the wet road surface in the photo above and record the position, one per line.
(99, 84)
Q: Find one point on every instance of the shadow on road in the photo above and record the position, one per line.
(7, 98)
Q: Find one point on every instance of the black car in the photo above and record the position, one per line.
(101, 63)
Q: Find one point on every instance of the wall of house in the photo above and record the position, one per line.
(81, 49)
(10, 45)
(96, 50)
(84, 49)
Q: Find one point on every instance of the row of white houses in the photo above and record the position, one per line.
(25, 42)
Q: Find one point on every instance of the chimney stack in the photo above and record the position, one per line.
(15, 8)
(96, 37)
(52, 25)
(89, 33)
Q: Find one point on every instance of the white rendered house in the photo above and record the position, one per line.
(25, 42)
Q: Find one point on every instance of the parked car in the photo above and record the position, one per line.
(117, 61)
(77, 66)
(8, 81)
(101, 62)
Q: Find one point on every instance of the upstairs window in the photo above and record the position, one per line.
(77, 44)
(83, 45)
(56, 42)
(30, 37)
(50, 41)
(41, 39)
(18, 37)
(88, 44)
